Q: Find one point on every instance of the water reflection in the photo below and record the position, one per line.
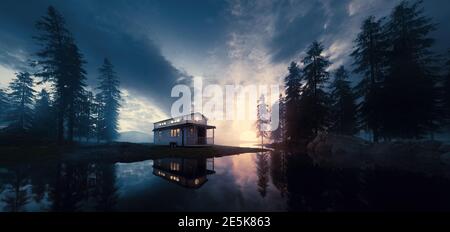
(262, 169)
(14, 189)
(187, 172)
(58, 186)
(267, 181)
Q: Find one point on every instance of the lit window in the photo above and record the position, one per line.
(161, 173)
(175, 178)
(175, 132)
(174, 166)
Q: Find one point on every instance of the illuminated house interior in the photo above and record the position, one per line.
(186, 172)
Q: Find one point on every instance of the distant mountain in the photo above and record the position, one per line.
(135, 137)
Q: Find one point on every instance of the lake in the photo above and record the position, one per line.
(267, 181)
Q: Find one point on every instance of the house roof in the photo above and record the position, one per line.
(194, 119)
(191, 114)
(187, 124)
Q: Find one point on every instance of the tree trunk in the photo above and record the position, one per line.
(60, 130)
(71, 123)
(375, 136)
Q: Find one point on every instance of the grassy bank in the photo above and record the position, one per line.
(116, 152)
(29, 154)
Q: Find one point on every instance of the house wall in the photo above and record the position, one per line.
(163, 137)
(190, 137)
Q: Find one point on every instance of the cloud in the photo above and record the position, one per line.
(99, 33)
(245, 59)
(6, 75)
(338, 53)
(138, 113)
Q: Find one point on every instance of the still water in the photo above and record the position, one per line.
(269, 181)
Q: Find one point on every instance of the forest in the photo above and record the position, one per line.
(398, 86)
(68, 110)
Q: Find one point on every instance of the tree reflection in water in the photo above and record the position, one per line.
(262, 171)
(15, 188)
(66, 186)
(278, 167)
(284, 180)
(105, 187)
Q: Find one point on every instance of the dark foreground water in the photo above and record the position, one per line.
(271, 181)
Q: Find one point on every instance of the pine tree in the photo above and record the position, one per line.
(278, 134)
(4, 104)
(263, 119)
(98, 118)
(75, 86)
(409, 89)
(110, 97)
(446, 93)
(292, 101)
(314, 102)
(21, 99)
(51, 59)
(84, 116)
(369, 57)
(44, 117)
(61, 64)
(343, 109)
(92, 115)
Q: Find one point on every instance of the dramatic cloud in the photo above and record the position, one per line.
(101, 30)
(138, 114)
(6, 74)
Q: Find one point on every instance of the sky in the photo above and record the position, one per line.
(155, 45)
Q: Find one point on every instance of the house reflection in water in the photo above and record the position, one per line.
(187, 172)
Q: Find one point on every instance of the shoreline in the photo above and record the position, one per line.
(116, 152)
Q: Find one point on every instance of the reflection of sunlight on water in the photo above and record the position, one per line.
(243, 169)
(245, 179)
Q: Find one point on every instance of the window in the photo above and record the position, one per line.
(175, 166)
(175, 132)
(161, 173)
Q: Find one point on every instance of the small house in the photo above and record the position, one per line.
(188, 130)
